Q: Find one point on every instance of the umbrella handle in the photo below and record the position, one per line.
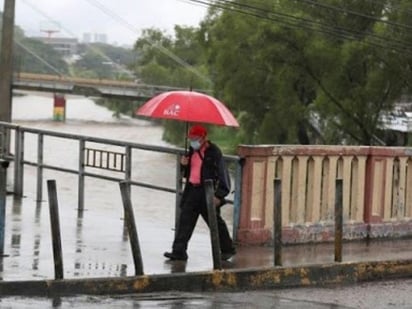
(187, 132)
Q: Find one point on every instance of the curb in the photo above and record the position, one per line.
(217, 280)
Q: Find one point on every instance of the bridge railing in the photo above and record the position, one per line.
(109, 88)
(95, 157)
(376, 199)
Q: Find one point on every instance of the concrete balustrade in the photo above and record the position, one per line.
(376, 199)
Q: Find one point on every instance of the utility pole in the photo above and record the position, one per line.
(6, 61)
(6, 79)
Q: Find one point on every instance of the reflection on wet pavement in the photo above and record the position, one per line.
(376, 295)
(261, 300)
(95, 245)
(95, 242)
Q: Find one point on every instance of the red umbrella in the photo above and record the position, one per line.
(189, 106)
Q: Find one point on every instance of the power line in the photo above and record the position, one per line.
(306, 24)
(61, 74)
(96, 50)
(45, 62)
(119, 19)
(342, 32)
(189, 2)
(161, 48)
(354, 13)
(393, 7)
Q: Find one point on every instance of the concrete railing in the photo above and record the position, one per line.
(376, 199)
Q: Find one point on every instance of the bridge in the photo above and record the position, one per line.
(305, 203)
(105, 88)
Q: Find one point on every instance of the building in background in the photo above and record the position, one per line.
(65, 46)
(89, 37)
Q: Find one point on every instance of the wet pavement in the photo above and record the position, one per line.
(95, 244)
(376, 295)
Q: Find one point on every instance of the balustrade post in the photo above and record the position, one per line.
(277, 222)
(3, 184)
(18, 162)
(338, 220)
(39, 195)
(255, 227)
(55, 228)
(214, 235)
(128, 169)
(179, 192)
(131, 227)
(81, 174)
(237, 200)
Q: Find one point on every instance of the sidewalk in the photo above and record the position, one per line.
(95, 244)
(97, 259)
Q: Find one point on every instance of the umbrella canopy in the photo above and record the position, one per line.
(189, 106)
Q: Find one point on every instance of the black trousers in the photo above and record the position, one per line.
(193, 205)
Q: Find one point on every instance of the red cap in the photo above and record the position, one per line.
(197, 131)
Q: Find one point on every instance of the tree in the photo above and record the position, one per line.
(101, 60)
(177, 61)
(307, 72)
(256, 72)
(365, 78)
(31, 55)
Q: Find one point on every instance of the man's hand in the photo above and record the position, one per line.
(216, 201)
(184, 160)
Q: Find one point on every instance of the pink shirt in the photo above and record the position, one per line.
(196, 166)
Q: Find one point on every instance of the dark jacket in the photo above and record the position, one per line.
(213, 167)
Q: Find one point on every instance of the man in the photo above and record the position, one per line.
(204, 161)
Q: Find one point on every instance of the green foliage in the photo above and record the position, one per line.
(33, 56)
(119, 106)
(175, 62)
(312, 74)
(251, 72)
(104, 61)
(295, 72)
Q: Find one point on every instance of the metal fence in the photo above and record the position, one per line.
(94, 155)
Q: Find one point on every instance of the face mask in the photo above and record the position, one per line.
(195, 144)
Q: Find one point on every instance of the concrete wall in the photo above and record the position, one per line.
(376, 199)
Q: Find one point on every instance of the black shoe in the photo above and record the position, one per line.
(176, 256)
(227, 255)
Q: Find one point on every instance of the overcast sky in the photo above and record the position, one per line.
(120, 20)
